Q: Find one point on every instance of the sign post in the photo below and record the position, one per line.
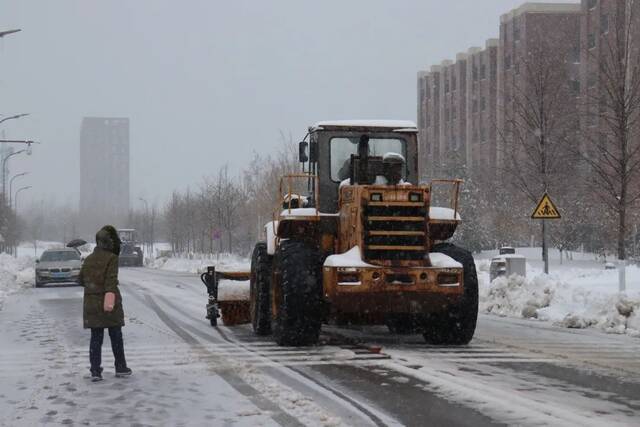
(545, 210)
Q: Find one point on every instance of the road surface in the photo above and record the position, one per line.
(514, 372)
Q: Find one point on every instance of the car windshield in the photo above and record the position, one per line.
(342, 148)
(60, 256)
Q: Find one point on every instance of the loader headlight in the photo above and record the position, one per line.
(376, 197)
(448, 279)
(415, 197)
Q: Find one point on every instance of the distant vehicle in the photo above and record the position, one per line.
(507, 250)
(130, 250)
(58, 266)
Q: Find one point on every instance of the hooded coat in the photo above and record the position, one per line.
(99, 275)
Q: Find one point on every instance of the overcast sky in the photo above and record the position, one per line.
(207, 82)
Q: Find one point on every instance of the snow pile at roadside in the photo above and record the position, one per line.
(199, 264)
(570, 297)
(517, 296)
(28, 249)
(15, 274)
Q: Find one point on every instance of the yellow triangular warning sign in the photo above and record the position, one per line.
(545, 209)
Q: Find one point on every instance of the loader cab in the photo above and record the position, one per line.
(353, 150)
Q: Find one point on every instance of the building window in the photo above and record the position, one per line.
(574, 55)
(446, 85)
(591, 80)
(591, 41)
(516, 33)
(474, 73)
(482, 134)
(517, 68)
(483, 103)
(475, 106)
(453, 82)
(507, 62)
(591, 4)
(454, 113)
(483, 71)
(604, 24)
(574, 84)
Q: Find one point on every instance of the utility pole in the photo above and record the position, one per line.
(146, 216)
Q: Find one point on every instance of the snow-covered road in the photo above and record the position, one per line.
(188, 373)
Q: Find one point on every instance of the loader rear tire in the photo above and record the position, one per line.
(259, 290)
(458, 324)
(298, 299)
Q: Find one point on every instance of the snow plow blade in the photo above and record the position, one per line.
(234, 311)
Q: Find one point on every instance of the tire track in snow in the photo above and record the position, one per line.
(374, 416)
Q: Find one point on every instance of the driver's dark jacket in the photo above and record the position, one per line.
(99, 275)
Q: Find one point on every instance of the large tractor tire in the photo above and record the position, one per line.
(298, 294)
(458, 324)
(260, 293)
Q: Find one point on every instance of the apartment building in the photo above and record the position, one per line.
(471, 125)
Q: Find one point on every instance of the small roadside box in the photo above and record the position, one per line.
(507, 264)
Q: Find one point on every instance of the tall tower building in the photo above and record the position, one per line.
(104, 172)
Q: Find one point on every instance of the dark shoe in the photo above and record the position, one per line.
(121, 373)
(96, 377)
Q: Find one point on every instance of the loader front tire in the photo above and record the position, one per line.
(401, 324)
(298, 297)
(457, 324)
(259, 290)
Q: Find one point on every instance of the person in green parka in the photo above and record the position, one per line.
(103, 302)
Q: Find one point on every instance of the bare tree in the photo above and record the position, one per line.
(540, 121)
(612, 149)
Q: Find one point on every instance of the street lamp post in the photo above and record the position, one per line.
(146, 226)
(16, 197)
(17, 116)
(4, 165)
(6, 33)
(15, 251)
(11, 185)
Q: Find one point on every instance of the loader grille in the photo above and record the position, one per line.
(395, 231)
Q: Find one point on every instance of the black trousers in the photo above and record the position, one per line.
(117, 346)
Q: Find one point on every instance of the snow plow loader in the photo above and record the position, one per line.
(361, 244)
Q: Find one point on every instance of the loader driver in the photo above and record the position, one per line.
(392, 168)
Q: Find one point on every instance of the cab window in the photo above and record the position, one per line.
(343, 147)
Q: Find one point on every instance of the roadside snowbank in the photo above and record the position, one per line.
(199, 263)
(571, 297)
(15, 274)
(29, 249)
